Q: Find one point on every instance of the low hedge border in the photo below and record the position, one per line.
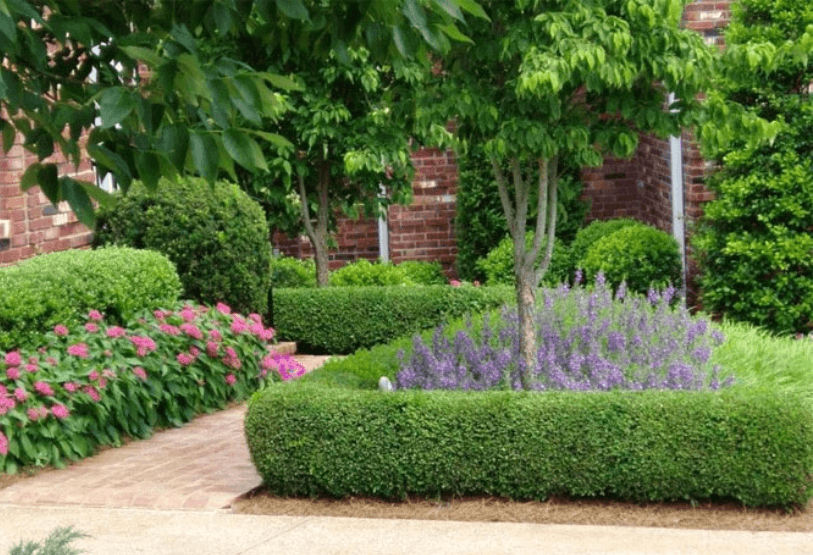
(341, 320)
(742, 444)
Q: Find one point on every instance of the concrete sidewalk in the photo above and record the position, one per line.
(172, 493)
(156, 532)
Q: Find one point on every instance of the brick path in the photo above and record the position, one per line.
(203, 465)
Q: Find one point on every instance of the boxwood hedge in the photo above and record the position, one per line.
(752, 446)
(60, 288)
(340, 320)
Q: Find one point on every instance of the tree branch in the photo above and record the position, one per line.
(502, 187)
(306, 213)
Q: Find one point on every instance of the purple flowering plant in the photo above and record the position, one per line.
(95, 383)
(588, 340)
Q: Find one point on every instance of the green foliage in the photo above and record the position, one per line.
(754, 244)
(753, 447)
(640, 255)
(199, 111)
(215, 234)
(57, 543)
(94, 384)
(498, 265)
(480, 219)
(287, 271)
(59, 288)
(587, 236)
(340, 320)
(364, 273)
(421, 272)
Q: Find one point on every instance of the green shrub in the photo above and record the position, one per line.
(480, 220)
(215, 234)
(498, 265)
(642, 256)
(340, 320)
(362, 273)
(586, 237)
(287, 271)
(421, 272)
(756, 448)
(60, 288)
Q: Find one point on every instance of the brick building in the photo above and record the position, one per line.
(662, 181)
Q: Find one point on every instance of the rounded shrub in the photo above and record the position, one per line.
(60, 288)
(640, 255)
(498, 265)
(421, 272)
(215, 234)
(287, 271)
(362, 273)
(587, 236)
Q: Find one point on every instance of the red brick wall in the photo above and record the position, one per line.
(37, 226)
(424, 230)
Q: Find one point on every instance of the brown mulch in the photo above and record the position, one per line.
(602, 512)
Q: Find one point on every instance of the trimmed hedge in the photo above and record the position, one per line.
(751, 446)
(340, 320)
(362, 273)
(287, 271)
(61, 288)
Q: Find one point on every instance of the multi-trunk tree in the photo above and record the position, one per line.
(552, 80)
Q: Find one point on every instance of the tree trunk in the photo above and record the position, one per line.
(318, 232)
(526, 301)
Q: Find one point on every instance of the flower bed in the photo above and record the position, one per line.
(93, 384)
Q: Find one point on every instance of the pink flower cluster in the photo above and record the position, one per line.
(6, 402)
(95, 315)
(3, 444)
(192, 331)
(116, 331)
(144, 345)
(79, 350)
(61, 330)
(169, 329)
(140, 373)
(286, 366)
(230, 379)
(231, 359)
(43, 389)
(13, 358)
(35, 413)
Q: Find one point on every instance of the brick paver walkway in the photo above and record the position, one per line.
(203, 465)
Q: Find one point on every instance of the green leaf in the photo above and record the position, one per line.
(244, 150)
(294, 9)
(174, 143)
(8, 133)
(273, 138)
(79, 201)
(454, 33)
(150, 57)
(450, 8)
(472, 7)
(115, 104)
(204, 152)
(110, 161)
(149, 168)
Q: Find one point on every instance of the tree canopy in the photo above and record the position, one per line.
(133, 83)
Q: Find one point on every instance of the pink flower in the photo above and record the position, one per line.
(169, 329)
(256, 318)
(102, 383)
(269, 363)
(108, 373)
(95, 315)
(79, 349)
(93, 393)
(140, 373)
(455, 283)
(94, 375)
(115, 331)
(188, 314)
(238, 325)
(192, 331)
(13, 358)
(215, 335)
(20, 394)
(71, 387)
(31, 367)
(230, 352)
(3, 390)
(159, 315)
(51, 361)
(185, 359)
(33, 414)
(143, 345)
(267, 334)
(476, 283)
(61, 330)
(230, 379)
(212, 348)
(3, 444)
(60, 411)
(6, 404)
(91, 327)
(223, 308)
(13, 373)
(33, 360)
(43, 389)
(194, 351)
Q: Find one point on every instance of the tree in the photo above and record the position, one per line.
(552, 80)
(349, 123)
(68, 63)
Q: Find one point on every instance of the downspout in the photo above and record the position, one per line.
(383, 234)
(678, 204)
